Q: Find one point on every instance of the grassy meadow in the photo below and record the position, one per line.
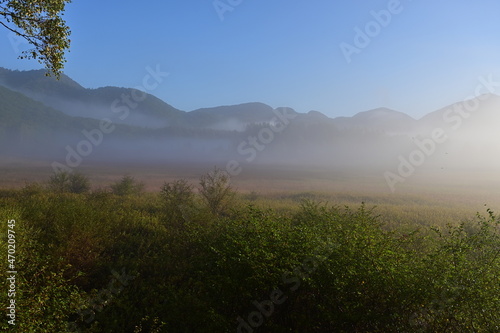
(169, 249)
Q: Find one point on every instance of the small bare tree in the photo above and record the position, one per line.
(215, 189)
(178, 197)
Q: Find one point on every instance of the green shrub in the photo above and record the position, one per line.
(65, 182)
(127, 186)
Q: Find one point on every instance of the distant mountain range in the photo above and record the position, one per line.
(74, 100)
(42, 117)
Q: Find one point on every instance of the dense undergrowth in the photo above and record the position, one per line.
(173, 262)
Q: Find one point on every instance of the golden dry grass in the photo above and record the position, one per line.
(446, 196)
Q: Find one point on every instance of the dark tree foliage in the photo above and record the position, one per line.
(41, 24)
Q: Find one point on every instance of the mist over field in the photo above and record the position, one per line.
(121, 125)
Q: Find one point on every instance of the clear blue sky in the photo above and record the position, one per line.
(284, 53)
